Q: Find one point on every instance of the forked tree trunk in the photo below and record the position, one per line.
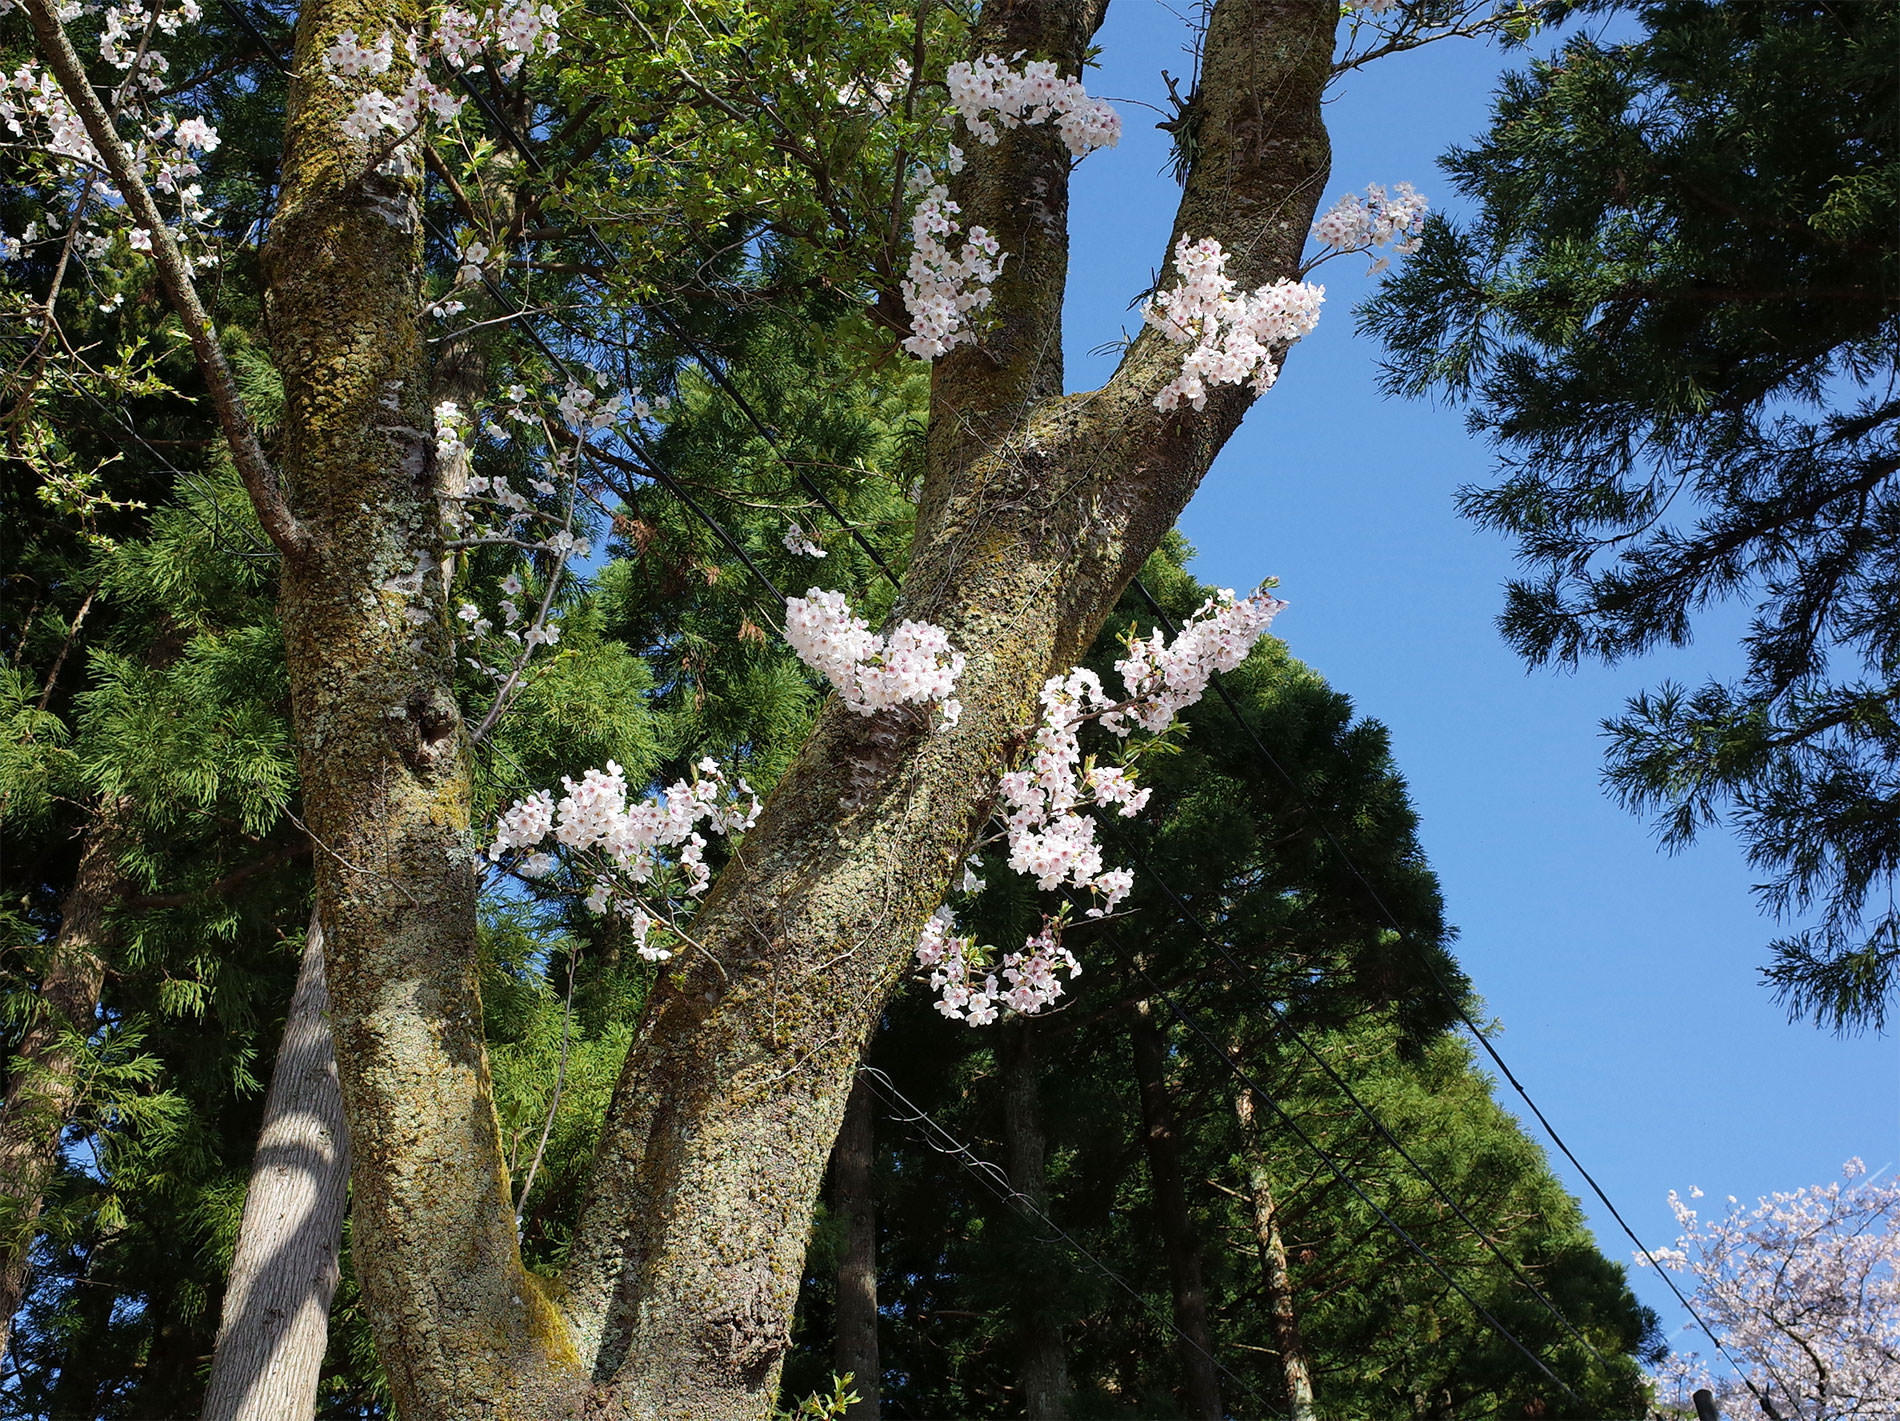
(853, 1159)
(43, 1085)
(276, 1322)
(1200, 1383)
(1045, 1360)
(1038, 507)
(1295, 1371)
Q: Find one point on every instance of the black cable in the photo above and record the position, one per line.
(1457, 1006)
(998, 1184)
(1339, 1171)
(1286, 1027)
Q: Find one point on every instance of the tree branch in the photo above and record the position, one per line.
(260, 479)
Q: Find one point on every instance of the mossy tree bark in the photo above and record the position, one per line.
(43, 1079)
(1295, 1370)
(275, 1326)
(461, 1327)
(1038, 507)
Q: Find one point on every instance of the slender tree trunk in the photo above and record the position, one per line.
(852, 1161)
(1200, 1384)
(275, 1327)
(1045, 1360)
(43, 1084)
(1294, 1369)
(83, 1374)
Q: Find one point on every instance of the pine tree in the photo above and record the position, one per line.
(1673, 313)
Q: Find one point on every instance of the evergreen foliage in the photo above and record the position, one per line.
(1674, 315)
(144, 686)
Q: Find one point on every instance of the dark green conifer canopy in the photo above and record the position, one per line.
(1673, 314)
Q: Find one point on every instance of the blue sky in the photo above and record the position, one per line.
(1624, 978)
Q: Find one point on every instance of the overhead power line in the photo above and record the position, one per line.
(1339, 1171)
(1372, 1118)
(997, 1182)
(1457, 1005)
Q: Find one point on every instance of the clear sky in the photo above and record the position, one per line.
(1625, 979)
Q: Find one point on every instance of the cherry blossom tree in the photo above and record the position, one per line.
(1804, 1291)
(1036, 508)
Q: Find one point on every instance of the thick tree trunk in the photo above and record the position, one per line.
(43, 1082)
(275, 1326)
(1294, 1369)
(1200, 1383)
(462, 1329)
(1045, 1360)
(853, 1159)
(1038, 507)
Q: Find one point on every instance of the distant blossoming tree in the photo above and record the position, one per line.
(1804, 1290)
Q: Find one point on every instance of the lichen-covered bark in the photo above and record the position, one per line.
(1295, 1371)
(43, 1080)
(1200, 1384)
(1043, 1358)
(275, 1325)
(461, 1327)
(855, 1351)
(1038, 508)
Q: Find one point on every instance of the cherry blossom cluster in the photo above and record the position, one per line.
(537, 630)
(32, 97)
(953, 961)
(1804, 1291)
(165, 147)
(1049, 824)
(798, 541)
(490, 511)
(945, 282)
(514, 30)
(638, 858)
(1051, 836)
(880, 95)
(122, 40)
(1233, 335)
(986, 92)
(1164, 678)
(943, 285)
(915, 665)
(1358, 224)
